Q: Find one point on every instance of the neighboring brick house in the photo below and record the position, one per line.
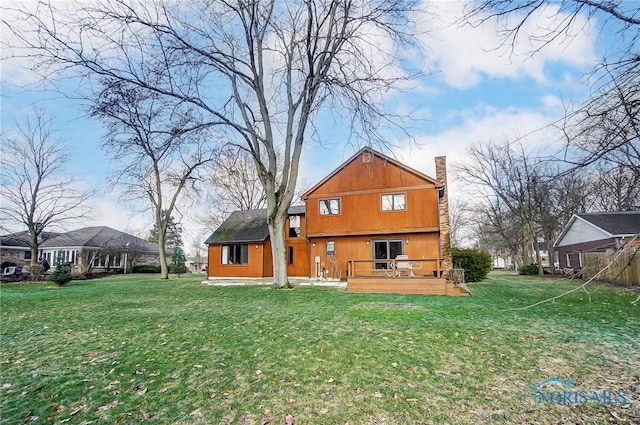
(355, 223)
(89, 249)
(596, 232)
(15, 250)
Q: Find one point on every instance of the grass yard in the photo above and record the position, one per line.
(136, 349)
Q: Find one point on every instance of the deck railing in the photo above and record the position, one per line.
(428, 267)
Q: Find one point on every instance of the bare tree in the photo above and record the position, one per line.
(608, 123)
(261, 69)
(525, 198)
(500, 232)
(159, 146)
(507, 177)
(615, 188)
(234, 185)
(35, 191)
(460, 220)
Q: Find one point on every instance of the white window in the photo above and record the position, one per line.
(114, 261)
(393, 202)
(294, 226)
(331, 248)
(329, 206)
(568, 260)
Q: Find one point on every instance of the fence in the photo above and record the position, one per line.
(624, 268)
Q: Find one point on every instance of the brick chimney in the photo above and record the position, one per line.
(443, 212)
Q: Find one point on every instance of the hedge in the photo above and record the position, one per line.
(476, 263)
(146, 268)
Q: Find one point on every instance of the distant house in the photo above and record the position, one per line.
(90, 249)
(15, 250)
(595, 232)
(373, 221)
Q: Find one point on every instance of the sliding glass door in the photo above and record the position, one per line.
(386, 250)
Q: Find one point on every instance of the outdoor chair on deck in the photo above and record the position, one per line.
(402, 266)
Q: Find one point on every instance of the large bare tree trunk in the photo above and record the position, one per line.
(164, 267)
(278, 250)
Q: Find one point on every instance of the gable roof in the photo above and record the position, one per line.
(617, 224)
(100, 237)
(246, 226)
(610, 225)
(21, 239)
(384, 158)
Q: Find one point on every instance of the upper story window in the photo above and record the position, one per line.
(294, 226)
(393, 202)
(329, 206)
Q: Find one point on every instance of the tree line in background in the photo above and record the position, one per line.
(526, 199)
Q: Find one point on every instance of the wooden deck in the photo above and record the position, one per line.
(422, 276)
(403, 285)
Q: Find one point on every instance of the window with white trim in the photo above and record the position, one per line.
(294, 226)
(329, 206)
(393, 202)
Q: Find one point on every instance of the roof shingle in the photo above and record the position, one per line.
(246, 226)
(616, 223)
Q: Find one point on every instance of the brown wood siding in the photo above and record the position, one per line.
(360, 187)
(261, 258)
(420, 286)
(375, 175)
(254, 268)
(267, 259)
(300, 266)
(356, 248)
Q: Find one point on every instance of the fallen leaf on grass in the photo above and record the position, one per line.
(142, 391)
(323, 411)
(57, 408)
(108, 406)
(162, 390)
(196, 413)
(289, 420)
(77, 410)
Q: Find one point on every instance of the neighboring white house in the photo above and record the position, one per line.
(596, 232)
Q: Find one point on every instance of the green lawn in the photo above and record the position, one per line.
(136, 349)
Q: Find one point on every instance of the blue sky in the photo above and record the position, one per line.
(477, 93)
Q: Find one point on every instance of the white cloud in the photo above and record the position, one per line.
(107, 212)
(466, 55)
(485, 124)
